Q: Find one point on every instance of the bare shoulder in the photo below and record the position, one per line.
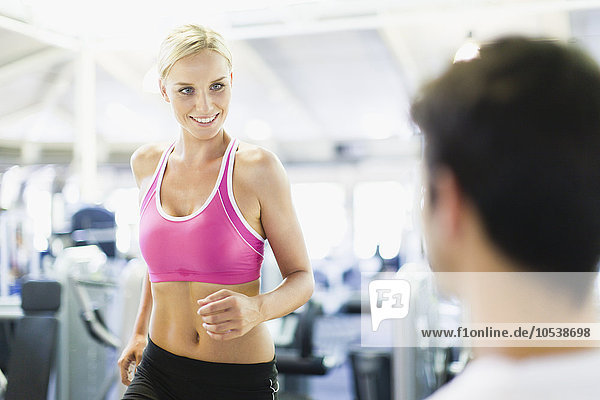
(259, 166)
(145, 160)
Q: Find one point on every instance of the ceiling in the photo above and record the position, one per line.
(310, 77)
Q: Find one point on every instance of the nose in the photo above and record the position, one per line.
(203, 103)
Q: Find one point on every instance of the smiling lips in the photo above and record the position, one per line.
(205, 120)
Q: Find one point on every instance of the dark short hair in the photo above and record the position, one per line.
(519, 127)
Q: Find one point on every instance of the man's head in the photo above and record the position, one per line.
(516, 134)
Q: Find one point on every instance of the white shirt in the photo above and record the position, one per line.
(574, 376)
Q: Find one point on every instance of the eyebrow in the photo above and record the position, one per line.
(191, 84)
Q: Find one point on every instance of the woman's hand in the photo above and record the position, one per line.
(227, 314)
(132, 353)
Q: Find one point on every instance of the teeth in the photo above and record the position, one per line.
(205, 120)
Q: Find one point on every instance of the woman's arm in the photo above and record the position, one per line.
(283, 231)
(228, 314)
(143, 163)
(139, 338)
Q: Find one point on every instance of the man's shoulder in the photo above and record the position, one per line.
(547, 377)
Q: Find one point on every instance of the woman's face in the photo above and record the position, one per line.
(199, 90)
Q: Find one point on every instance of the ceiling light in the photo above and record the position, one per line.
(468, 51)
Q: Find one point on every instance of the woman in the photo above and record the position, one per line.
(208, 202)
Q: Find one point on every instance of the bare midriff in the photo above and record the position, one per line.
(176, 326)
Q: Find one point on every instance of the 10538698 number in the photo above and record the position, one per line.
(562, 332)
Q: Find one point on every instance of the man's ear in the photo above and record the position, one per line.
(449, 207)
(163, 91)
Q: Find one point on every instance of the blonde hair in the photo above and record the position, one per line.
(186, 40)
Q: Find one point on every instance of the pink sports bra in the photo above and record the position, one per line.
(215, 244)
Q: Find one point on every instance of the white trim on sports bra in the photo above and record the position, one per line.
(232, 197)
(208, 200)
(154, 175)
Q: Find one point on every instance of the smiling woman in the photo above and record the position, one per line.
(199, 89)
(208, 203)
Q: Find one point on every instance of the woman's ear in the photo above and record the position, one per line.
(163, 91)
(231, 78)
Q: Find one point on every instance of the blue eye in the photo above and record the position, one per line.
(186, 90)
(217, 86)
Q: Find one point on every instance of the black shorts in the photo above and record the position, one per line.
(165, 376)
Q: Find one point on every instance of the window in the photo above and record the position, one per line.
(322, 214)
(382, 212)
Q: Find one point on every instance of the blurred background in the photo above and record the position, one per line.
(325, 84)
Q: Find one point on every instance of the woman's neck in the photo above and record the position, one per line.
(193, 151)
